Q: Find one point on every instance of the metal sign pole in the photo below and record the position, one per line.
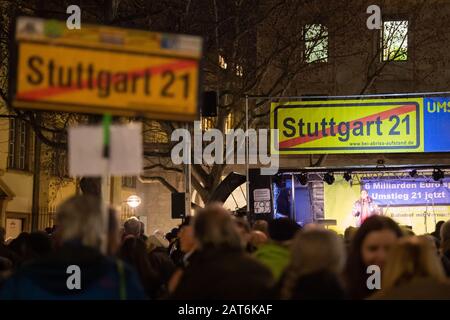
(247, 182)
(106, 179)
(187, 177)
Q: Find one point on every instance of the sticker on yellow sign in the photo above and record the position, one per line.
(102, 70)
(348, 126)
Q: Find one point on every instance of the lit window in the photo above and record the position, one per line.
(395, 40)
(229, 123)
(207, 123)
(222, 62)
(59, 164)
(154, 133)
(316, 43)
(129, 182)
(19, 145)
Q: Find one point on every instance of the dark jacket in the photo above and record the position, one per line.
(46, 278)
(318, 286)
(7, 253)
(160, 261)
(224, 274)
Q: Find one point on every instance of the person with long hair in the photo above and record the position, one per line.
(134, 252)
(413, 270)
(370, 246)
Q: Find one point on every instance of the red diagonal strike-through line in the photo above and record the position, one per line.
(40, 93)
(382, 115)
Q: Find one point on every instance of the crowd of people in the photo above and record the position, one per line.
(215, 255)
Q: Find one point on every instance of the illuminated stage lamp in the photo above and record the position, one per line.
(438, 174)
(348, 176)
(329, 178)
(303, 178)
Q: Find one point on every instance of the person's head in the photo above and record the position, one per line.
(407, 231)
(364, 194)
(412, 257)
(19, 244)
(314, 251)
(445, 237)
(80, 218)
(170, 236)
(370, 246)
(132, 227)
(349, 233)
(317, 250)
(374, 239)
(282, 230)
(38, 244)
(438, 227)
(186, 236)
(214, 228)
(257, 238)
(91, 186)
(261, 225)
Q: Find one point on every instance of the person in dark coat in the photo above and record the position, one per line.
(221, 270)
(319, 285)
(79, 267)
(134, 252)
(160, 261)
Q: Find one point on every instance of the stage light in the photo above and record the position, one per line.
(438, 174)
(328, 177)
(413, 173)
(348, 176)
(303, 178)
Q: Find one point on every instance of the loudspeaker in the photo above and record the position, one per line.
(209, 105)
(178, 205)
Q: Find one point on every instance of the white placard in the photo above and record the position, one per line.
(86, 151)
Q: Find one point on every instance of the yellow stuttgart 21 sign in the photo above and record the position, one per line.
(348, 126)
(101, 69)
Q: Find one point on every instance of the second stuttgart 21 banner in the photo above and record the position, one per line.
(361, 126)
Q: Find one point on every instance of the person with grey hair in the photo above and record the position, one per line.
(222, 270)
(317, 258)
(131, 228)
(78, 268)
